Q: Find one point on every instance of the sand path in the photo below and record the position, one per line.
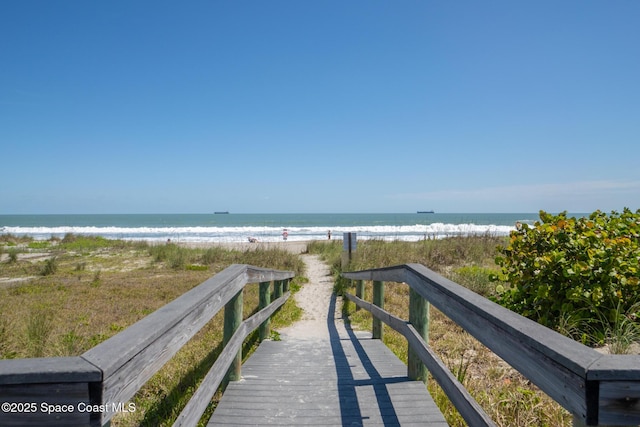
(314, 298)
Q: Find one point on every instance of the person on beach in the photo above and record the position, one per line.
(285, 234)
(329, 235)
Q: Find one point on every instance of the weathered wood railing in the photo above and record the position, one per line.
(89, 389)
(597, 389)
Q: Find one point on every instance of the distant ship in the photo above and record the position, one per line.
(426, 212)
(221, 212)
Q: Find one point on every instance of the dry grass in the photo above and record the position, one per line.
(509, 398)
(98, 288)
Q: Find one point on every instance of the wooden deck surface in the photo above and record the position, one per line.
(347, 380)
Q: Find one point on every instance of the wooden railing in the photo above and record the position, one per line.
(89, 389)
(597, 389)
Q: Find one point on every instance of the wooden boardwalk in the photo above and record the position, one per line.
(346, 380)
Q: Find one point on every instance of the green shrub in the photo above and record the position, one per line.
(587, 267)
(475, 278)
(73, 242)
(13, 255)
(50, 267)
(39, 244)
(173, 255)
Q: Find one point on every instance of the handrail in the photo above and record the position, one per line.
(597, 389)
(89, 389)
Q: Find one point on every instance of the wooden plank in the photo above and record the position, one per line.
(47, 381)
(196, 406)
(619, 403)
(618, 381)
(264, 301)
(419, 318)
(257, 274)
(378, 300)
(65, 404)
(611, 367)
(394, 322)
(360, 290)
(232, 320)
(48, 370)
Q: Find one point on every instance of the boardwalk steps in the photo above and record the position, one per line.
(348, 380)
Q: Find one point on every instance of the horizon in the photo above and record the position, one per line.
(363, 106)
(300, 213)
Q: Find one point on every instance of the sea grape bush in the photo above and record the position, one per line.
(586, 269)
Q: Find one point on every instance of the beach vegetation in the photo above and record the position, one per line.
(39, 327)
(39, 244)
(49, 267)
(475, 278)
(5, 346)
(83, 244)
(8, 239)
(583, 272)
(13, 255)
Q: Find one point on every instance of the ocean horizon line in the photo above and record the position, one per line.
(290, 213)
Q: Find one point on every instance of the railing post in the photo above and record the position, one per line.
(285, 285)
(265, 300)
(232, 321)
(378, 299)
(419, 318)
(577, 422)
(359, 291)
(277, 289)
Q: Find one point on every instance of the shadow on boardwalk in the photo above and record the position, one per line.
(347, 379)
(347, 384)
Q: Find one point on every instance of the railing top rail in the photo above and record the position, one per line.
(572, 354)
(47, 370)
(112, 353)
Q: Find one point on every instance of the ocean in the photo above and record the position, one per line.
(238, 227)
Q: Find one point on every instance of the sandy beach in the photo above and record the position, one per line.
(315, 299)
(295, 247)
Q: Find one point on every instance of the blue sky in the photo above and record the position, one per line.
(319, 106)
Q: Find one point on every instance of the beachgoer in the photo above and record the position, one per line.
(329, 235)
(285, 234)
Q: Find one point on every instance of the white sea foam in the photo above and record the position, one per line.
(263, 233)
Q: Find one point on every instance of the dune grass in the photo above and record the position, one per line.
(94, 288)
(509, 398)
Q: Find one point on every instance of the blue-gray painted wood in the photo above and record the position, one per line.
(347, 380)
